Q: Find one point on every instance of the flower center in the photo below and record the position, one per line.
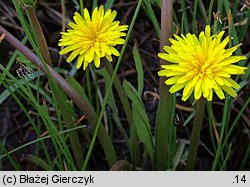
(94, 38)
(204, 68)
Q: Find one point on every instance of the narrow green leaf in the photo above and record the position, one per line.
(178, 156)
(194, 17)
(79, 89)
(67, 114)
(134, 147)
(143, 130)
(109, 4)
(245, 159)
(11, 84)
(140, 118)
(43, 111)
(210, 11)
(16, 165)
(38, 140)
(102, 135)
(5, 94)
(184, 20)
(58, 141)
(133, 95)
(111, 103)
(139, 68)
(158, 2)
(151, 15)
(224, 165)
(39, 162)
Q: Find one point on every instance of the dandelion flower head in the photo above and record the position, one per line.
(91, 38)
(201, 65)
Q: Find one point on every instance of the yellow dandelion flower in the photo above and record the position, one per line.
(201, 65)
(92, 38)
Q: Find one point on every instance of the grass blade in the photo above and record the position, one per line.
(140, 118)
(139, 69)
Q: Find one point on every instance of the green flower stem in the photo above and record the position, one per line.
(163, 121)
(195, 136)
(39, 34)
(72, 93)
(110, 85)
(89, 86)
(97, 108)
(120, 91)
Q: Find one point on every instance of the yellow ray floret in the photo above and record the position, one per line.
(92, 38)
(201, 65)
